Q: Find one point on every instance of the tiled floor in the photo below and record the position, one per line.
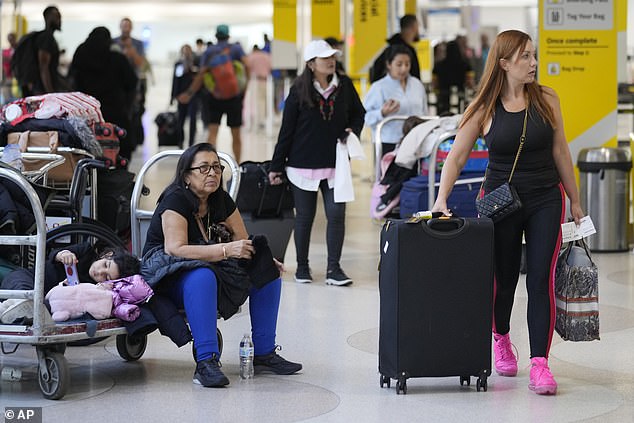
(334, 332)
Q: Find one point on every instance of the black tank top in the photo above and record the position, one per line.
(536, 167)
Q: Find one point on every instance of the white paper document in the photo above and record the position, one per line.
(571, 232)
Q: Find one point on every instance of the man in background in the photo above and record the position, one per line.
(408, 36)
(232, 107)
(259, 65)
(134, 50)
(44, 77)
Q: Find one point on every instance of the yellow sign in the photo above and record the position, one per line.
(370, 33)
(285, 20)
(578, 58)
(325, 18)
(410, 7)
(424, 53)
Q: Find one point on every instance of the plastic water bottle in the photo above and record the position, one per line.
(246, 357)
(11, 374)
(12, 156)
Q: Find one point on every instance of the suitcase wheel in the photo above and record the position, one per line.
(481, 384)
(465, 379)
(401, 385)
(385, 380)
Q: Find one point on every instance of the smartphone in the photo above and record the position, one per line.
(71, 274)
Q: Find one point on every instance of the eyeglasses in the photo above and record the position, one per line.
(205, 169)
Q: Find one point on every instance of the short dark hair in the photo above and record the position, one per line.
(407, 20)
(49, 10)
(128, 264)
(395, 49)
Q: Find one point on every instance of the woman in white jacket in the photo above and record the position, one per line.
(397, 93)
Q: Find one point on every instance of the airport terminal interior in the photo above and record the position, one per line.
(333, 331)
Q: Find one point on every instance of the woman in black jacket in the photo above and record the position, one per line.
(107, 75)
(322, 108)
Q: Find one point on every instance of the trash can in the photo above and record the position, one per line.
(604, 175)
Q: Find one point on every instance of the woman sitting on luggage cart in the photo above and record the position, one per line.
(508, 100)
(194, 238)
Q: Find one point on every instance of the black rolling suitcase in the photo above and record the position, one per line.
(436, 293)
(266, 209)
(167, 123)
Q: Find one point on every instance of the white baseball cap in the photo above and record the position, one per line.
(319, 48)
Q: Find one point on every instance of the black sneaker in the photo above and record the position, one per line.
(337, 277)
(208, 373)
(275, 363)
(302, 275)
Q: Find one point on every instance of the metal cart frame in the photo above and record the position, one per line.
(49, 337)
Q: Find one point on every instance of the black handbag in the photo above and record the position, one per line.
(504, 200)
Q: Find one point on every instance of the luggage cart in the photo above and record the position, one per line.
(48, 337)
(378, 141)
(431, 176)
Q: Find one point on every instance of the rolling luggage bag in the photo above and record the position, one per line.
(266, 209)
(436, 295)
(278, 230)
(168, 133)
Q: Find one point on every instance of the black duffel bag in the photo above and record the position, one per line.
(257, 196)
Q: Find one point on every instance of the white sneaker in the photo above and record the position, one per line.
(15, 309)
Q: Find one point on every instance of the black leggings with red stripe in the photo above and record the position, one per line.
(540, 220)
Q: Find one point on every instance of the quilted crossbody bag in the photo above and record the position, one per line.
(503, 200)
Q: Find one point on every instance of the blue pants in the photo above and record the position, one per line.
(197, 290)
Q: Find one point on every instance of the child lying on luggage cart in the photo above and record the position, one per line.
(118, 298)
(96, 265)
(419, 136)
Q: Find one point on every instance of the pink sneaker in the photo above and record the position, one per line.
(505, 361)
(542, 380)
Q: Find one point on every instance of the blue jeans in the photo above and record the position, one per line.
(197, 290)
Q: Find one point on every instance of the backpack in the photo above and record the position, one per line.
(24, 64)
(226, 77)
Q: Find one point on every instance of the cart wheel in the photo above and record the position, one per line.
(131, 348)
(385, 380)
(401, 386)
(54, 377)
(481, 384)
(465, 379)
